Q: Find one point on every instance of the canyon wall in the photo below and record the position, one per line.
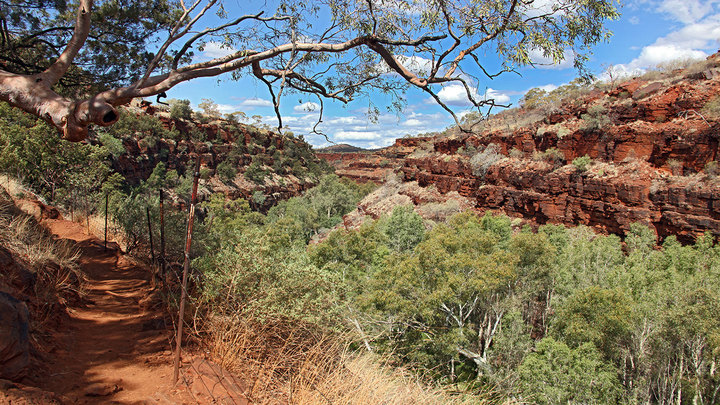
(648, 163)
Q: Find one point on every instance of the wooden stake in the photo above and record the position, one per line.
(107, 196)
(152, 249)
(162, 236)
(186, 269)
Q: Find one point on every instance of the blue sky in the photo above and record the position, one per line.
(648, 33)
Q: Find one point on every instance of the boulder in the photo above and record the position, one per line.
(14, 337)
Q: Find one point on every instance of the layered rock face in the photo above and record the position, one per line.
(648, 154)
(222, 142)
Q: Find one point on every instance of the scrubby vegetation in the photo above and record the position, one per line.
(489, 309)
(472, 310)
(581, 163)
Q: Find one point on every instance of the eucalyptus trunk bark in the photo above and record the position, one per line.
(33, 94)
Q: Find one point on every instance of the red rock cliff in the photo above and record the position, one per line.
(648, 159)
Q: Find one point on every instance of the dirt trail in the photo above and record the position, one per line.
(117, 352)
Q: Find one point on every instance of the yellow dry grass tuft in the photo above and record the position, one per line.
(284, 361)
(363, 378)
(53, 263)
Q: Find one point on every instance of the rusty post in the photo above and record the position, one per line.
(186, 269)
(152, 249)
(107, 197)
(162, 235)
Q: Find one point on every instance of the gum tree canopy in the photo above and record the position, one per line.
(73, 64)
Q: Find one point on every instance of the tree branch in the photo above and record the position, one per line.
(82, 29)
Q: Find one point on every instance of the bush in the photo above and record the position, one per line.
(595, 118)
(557, 374)
(481, 162)
(258, 197)
(552, 155)
(516, 153)
(226, 171)
(712, 169)
(675, 166)
(711, 108)
(404, 229)
(255, 172)
(581, 163)
(113, 145)
(180, 109)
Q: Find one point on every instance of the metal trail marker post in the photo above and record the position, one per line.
(186, 269)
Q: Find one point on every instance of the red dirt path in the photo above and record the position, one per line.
(116, 354)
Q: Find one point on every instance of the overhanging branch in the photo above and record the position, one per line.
(82, 29)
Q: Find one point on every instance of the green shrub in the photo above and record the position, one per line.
(712, 169)
(558, 374)
(595, 118)
(255, 172)
(676, 166)
(552, 155)
(516, 153)
(581, 163)
(258, 197)
(481, 162)
(113, 145)
(180, 109)
(712, 108)
(226, 171)
(404, 229)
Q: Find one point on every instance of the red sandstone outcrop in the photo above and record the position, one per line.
(222, 141)
(648, 160)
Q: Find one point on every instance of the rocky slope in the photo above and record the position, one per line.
(238, 160)
(651, 146)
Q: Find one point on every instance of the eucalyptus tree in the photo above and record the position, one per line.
(330, 49)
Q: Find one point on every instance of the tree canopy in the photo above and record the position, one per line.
(74, 73)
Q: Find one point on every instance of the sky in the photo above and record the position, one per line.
(648, 33)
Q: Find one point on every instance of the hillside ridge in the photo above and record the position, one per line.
(644, 150)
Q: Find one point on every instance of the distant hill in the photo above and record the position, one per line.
(341, 148)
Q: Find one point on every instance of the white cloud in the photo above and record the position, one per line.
(496, 95)
(653, 55)
(413, 122)
(548, 87)
(692, 41)
(634, 20)
(255, 102)
(357, 129)
(416, 64)
(688, 11)
(357, 136)
(545, 62)
(539, 7)
(306, 107)
(456, 95)
(214, 50)
(700, 35)
(226, 108)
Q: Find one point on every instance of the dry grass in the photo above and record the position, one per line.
(22, 235)
(95, 225)
(284, 361)
(364, 379)
(53, 264)
(423, 150)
